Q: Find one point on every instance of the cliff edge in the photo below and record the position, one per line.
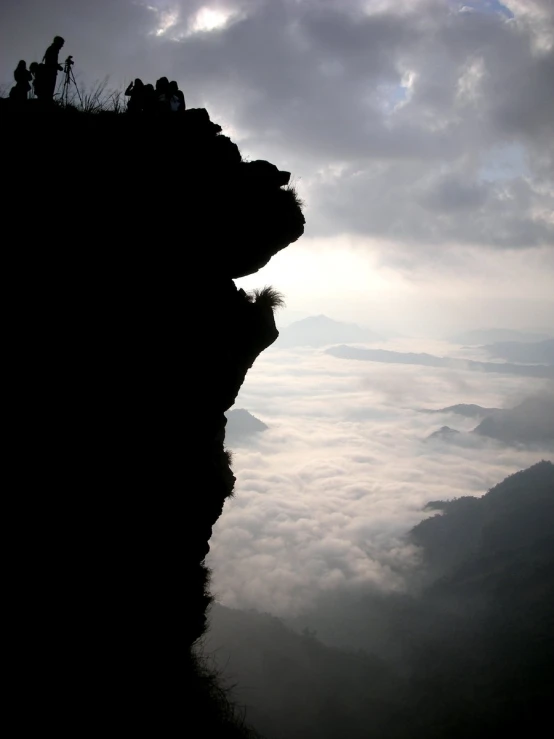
(127, 340)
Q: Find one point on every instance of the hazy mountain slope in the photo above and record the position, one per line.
(470, 656)
(540, 352)
(530, 422)
(292, 685)
(516, 513)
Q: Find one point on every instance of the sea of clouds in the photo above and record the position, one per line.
(325, 497)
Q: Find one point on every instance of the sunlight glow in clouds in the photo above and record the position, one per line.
(209, 19)
(170, 21)
(318, 266)
(536, 16)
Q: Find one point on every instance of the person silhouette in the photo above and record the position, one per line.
(52, 66)
(37, 70)
(176, 98)
(22, 85)
(163, 94)
(149, 99)
(136, 93)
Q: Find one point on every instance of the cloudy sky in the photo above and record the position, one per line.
(419, 134)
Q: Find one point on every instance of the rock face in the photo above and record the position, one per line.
(126, 233)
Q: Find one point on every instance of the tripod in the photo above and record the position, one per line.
(68, 80)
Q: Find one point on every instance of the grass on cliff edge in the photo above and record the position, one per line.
(211, 705)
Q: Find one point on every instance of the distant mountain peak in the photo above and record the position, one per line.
(445, 433)
(321, 330)
(469, 410)
(241, 425)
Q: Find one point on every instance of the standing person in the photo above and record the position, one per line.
(22, 85)
(163, 94)
(52, 66)
(176, 98)
(37, 70)
(150, 99)
(136, 93)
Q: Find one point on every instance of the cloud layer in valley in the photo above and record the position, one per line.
(326, 494)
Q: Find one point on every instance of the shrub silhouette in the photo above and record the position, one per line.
(267, 297)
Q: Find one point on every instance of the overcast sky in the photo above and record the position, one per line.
(420, 134)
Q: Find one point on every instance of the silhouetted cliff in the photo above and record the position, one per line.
(127, 340)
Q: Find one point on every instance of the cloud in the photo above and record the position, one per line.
(395, 116)
(327, 493)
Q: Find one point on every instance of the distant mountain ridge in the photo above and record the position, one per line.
(428, 360)
(493, 335)
(320, 330)
(539, 352)
(469, 410)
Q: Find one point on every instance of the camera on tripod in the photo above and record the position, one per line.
(68, 80)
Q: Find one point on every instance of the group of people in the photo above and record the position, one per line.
(42, 76)
(165, 97)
